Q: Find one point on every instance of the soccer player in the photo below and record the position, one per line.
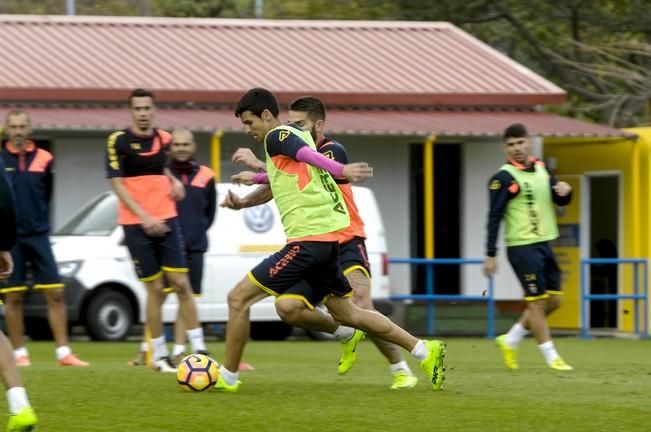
(30, 174)
(313, 213)
(523, 193)
(309, 114)
(21, 413)
(136, 160)
(196, 213)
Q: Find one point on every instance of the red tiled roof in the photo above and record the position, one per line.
(59, 58)
(444, 122)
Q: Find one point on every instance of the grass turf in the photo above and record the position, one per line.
(295, 387)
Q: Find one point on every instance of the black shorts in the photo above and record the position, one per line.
(37, 251)
(195, 270)
(353, 256)
(153, 255)
(536, 269)
(316, 263)
(195, 273)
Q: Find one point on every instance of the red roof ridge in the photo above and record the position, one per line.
(220, 22)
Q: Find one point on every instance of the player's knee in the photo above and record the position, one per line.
(345, 315)
(553, 303)
(237, 298)
(537, 307)
(157, 295)
(54, 296)
(289, 311)
(13, 299)
(361, 287)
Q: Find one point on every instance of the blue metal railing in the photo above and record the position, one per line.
(430, 295)
(637, 296)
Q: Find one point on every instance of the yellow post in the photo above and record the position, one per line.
(636, 224)
(216, 153)
(428, 194)
(635, 193)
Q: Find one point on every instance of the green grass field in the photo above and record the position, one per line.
(295, 387)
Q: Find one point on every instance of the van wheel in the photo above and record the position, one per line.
(109, 316)
(270, 330)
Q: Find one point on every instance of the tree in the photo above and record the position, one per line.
(598, 51)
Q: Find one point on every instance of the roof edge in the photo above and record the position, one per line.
(62, 95)
(220, 22)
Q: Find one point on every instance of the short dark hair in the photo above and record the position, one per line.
(257, 100)
(17, 112)
(311, 105)
(517, 130)
(141, 92)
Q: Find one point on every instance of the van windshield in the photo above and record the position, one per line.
(98, 218)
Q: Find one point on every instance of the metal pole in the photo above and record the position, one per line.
(636, 300)
(259, 9)
(491, 309)
(584, 303)
(70, 7)
(646, 299)
(429, 289)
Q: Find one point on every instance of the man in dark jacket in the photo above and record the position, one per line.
(29, 169)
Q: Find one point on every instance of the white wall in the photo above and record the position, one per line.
(389, 157)
(481, 160)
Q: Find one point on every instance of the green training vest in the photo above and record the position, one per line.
(315, 208)
(530, 217)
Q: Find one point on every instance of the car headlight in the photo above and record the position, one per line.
(69, 268)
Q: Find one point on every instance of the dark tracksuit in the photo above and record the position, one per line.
(196, 214)
(30, 175)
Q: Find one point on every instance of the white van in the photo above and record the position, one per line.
(104, 295)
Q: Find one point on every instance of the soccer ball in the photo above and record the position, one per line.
(197, 372)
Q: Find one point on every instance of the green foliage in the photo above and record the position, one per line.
(295, 387)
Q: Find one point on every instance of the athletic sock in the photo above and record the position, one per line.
(63, 352)
(515, 335)
(144, 347)
(229, 377)
(343, 333)
(548, 351)
(17, 399)
(420, 351)
(195, 336)
(401, 366)
(159, 347)
(178, 349)
(21, 352)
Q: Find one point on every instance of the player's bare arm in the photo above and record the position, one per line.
(562, 188)
(6, 265)
(178, 190)
(246, 157)
(357, 172)
(245, 178)
(259, 196)
(490, 266)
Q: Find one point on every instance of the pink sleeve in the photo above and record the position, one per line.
(261, 178)
(314, 158)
